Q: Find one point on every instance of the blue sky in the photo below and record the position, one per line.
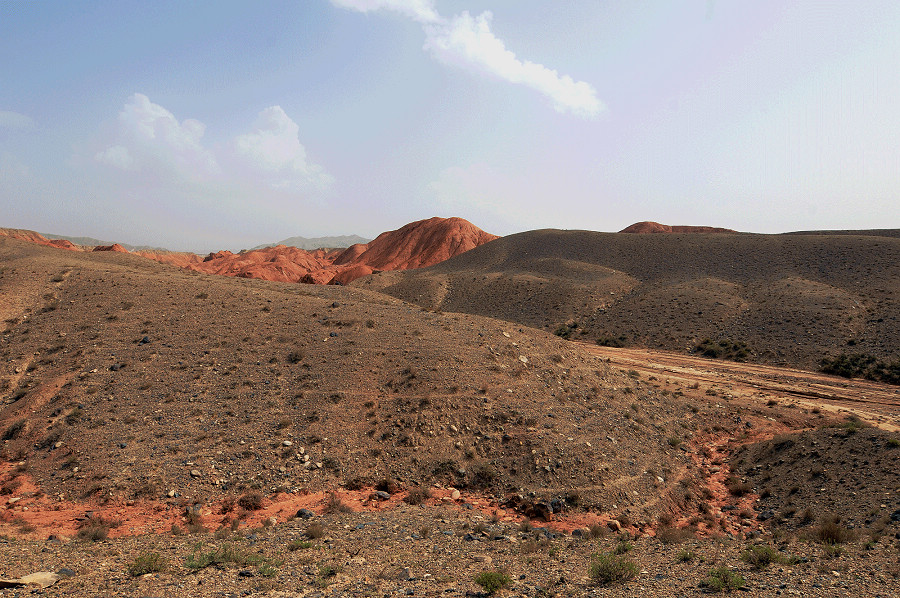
(210, 125)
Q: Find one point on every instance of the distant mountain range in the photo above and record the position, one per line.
(340, 242)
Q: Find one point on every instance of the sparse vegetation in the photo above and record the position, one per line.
(723, 349)
(152, 562)
(861, 365)
(492, 581)
(723, 579)
(760, 557)
(608, 568)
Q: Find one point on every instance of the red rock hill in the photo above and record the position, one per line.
(416, 245)
(655, 227)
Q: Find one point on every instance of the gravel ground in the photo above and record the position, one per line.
(431, 551)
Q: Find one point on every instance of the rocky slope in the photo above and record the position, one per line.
(792, 299)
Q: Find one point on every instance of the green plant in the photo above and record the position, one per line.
(760, 557)
(622, 547)
(684, 556)
(148, 563)
(491, 581)
(607, 568)
(860, 365)
(722, 579)
(893, 442)
(267, 569)
(299, 545)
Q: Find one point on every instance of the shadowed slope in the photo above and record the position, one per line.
(792, 298)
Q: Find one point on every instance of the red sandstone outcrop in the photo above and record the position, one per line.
(115, 247)
(33, 237)
(416, 245)
(655, 227)
(420, 244)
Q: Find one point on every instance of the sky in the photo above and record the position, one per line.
(227, 124)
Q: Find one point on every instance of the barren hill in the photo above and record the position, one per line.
(123, 379)
(790, 298)
(655, 227)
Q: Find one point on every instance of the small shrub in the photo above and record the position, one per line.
(610, 341)
(267, 569)
(315, 531)
(94, 532)
(760, 557)
(336, 505)
(417, 496)
(736, 487)
(252, 501)
(830, 531)
(684, 556)
(148, 563)
(299, 545)
(722, 579)
(893, 442)
(491, 581)
(608, 568)
(623, 547)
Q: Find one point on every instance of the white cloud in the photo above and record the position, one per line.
(116, 155)
(14, 120)
(422, 11)
(273, 150)
(149, 139)
(468, 42)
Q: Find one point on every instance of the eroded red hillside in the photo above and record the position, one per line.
(649, 227)
(30, 235)
(416, 245)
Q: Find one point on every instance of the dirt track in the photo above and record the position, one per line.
(879, 404)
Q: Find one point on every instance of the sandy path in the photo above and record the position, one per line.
(878, 404)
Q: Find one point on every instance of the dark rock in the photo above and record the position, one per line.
(380, 495)
(144, 340)
(115, 367)
(895, 516)
(765, 515)
(305, 514)
(64, 572)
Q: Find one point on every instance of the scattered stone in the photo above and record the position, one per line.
(614, 525)
(380, 495)
(42, 579)
(287, 443)
(455, 494)
(195, 473)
